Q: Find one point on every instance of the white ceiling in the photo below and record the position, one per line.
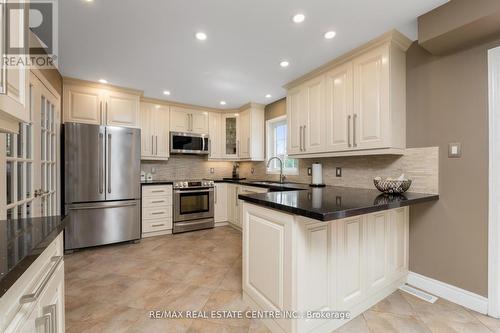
(150, 45)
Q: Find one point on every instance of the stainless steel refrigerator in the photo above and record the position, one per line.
(102, 184)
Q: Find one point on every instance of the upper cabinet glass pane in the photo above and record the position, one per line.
(231, 140)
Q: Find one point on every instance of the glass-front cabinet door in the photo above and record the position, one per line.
(230, 135)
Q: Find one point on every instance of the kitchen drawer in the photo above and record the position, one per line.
(156, 190)
(158, 201)
(156, 212)
(156, 225)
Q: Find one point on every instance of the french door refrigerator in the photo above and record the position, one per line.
(102, 185)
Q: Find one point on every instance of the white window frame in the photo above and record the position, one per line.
(269, 148)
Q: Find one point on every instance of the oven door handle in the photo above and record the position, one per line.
(193, 191)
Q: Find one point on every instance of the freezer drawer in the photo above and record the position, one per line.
(102, 223)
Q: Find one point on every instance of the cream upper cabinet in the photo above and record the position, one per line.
(230, 137)
(180, 120)
(199, 122)
(83, 104)
(161, 119)
(122, 109)
(371, 118)
(147, 137)
(89, 103)
(314, 126)
(244, 135)
(355, 105)
(188, 120)
(295, 103)
(155, 131)
(215, 134)
(14, 81)
(338, 108)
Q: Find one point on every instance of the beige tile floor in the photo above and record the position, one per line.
(113, 288)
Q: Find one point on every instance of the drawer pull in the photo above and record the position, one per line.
(158, 213)
(158, 225)
(158, 201)
(30, 298)
(158, 191)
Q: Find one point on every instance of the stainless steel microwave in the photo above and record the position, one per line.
(189, 143)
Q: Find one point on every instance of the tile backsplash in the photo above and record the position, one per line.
(419, 164)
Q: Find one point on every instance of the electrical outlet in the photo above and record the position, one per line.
(252, 171)
(212, 170)
(338, 172)
(153, 170)
(309, 171)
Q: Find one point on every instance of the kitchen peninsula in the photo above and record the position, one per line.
(324, 249)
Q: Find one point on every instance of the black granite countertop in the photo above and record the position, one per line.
(272, 186)
(21, 243)
(157, 182)
(331, 203)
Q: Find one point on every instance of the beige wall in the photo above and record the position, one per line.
(447, 101)
(276, 109)
(459, 24)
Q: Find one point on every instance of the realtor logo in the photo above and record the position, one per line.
(21, 47)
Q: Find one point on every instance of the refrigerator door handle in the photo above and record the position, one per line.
(102, 207)
(109, 163)
(101, 162)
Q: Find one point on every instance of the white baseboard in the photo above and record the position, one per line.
(447, 291)
(221, 224)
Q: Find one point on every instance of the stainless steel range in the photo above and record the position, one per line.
(193, 205)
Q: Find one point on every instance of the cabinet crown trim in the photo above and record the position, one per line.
(78, 82)
(393, 37)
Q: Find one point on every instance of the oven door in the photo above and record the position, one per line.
(189, 143)
(193, 204)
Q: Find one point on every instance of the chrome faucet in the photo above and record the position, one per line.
(282, 176)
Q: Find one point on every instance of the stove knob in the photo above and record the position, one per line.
(185, 184)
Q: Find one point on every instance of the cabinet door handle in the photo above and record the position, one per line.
(355, 117)
(156, 137)
(152, 145)
(349, 130)
(248, 145)
(106, 112)
(304, 137)
(30, 298)
(300, 138)
(237, 147)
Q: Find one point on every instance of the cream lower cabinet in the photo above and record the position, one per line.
(186, 120)
(356, 105)
(90, 103)
(235, 205)
(156, 210)
(155, 139)
(299, 264)
(221, 202)
(45, 313)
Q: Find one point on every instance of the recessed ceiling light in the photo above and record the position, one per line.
(269, 96)
(223, 103)
(166, 92)
(201, 36)
(103, 81)
(299, 18)
(89, 0)
(330, 34)
(284, 64)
